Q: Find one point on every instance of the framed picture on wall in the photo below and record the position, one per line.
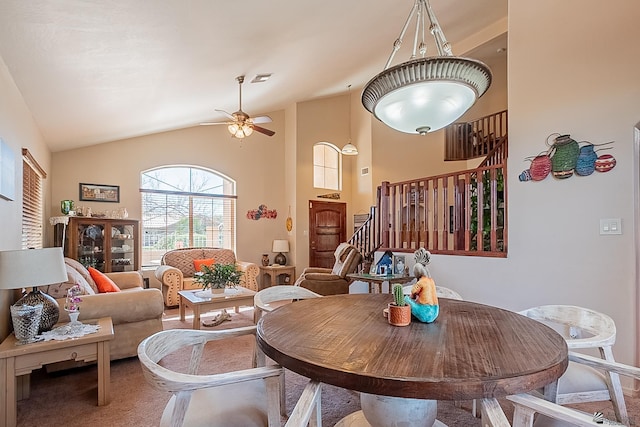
(99, 193)
(7, 172)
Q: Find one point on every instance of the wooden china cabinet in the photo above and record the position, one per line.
(109, 245)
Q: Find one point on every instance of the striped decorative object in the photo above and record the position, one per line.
(586, 163)
(605, 163)
(565, 157)
(540, 167)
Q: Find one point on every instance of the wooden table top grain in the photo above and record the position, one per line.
(471, 351)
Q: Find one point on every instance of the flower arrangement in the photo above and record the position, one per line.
(72, 303)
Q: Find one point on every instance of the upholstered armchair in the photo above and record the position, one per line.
(177, 269)
(332, 281)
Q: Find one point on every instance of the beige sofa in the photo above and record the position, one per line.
(177, 269)
(136, 312)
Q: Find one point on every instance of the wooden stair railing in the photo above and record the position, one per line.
(440, 213)
(367, 238)
(477, 138)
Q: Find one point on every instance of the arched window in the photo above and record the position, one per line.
(186, 206)
(327, 166)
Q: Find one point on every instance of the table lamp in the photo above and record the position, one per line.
(34, 267)
(280, 246)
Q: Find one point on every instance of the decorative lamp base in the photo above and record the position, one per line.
(280, 259)
(50, 308)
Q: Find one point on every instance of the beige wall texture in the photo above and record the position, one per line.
(257, 165)
(17, 130)
(563, 77)
(322, 120)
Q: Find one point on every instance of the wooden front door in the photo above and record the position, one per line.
(327, 229)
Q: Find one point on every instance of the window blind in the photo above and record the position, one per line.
(32, 201)
(175, 220)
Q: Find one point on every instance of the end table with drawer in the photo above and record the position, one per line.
(18, 361)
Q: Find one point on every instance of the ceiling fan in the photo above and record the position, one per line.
(240, 124)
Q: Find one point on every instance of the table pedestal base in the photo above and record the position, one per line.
(385, 411)
(357, 419)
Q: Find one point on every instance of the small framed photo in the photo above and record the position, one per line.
(373, 269)
(99, 193)
(399, 264)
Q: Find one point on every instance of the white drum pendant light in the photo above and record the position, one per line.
(426, 94)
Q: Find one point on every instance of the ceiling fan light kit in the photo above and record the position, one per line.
(428, 93)
(241, 124)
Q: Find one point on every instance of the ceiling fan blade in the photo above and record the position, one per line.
(213, 123)
(263, 130)
(261, 119)
(229, 115)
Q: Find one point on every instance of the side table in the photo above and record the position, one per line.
(19, 360)
(377, 280)
(275, 271)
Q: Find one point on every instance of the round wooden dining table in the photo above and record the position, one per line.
(471, 351)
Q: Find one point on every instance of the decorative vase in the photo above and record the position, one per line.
(265, 260)
(217, 290)
(26, 320)
(50, 308)
(73, 315)
(399, 315)
(66, 206)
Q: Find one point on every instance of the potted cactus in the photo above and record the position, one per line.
(399, 312)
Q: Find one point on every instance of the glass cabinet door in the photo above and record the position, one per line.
(122, 247)
(91, 245)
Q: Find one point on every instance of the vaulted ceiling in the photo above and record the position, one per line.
(93, 71)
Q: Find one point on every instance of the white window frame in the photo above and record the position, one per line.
(178, 199)
(323, 171)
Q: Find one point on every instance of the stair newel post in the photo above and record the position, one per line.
(385, 214)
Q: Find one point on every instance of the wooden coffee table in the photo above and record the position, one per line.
(17, 361)
(230, 298)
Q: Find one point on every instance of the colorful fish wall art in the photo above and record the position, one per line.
(262, 212)
(566, 157)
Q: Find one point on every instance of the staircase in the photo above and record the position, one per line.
(440, 213)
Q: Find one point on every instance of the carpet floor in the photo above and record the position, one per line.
(68, 398)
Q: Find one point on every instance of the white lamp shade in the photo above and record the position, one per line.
(31, 267)
(280, 246)
(426, 106)
(349, 150)
(427, 94)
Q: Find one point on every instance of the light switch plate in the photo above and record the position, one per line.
(610, 226)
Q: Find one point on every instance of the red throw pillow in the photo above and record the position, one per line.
(198, 263)
(103, 283)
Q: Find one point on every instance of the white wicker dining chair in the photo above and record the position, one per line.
(532, 410)
(270, 298)
(583, 328)
(244, 398)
